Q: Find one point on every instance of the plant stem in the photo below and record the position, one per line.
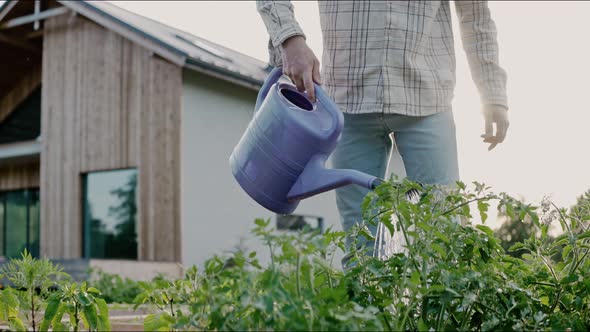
(386, 320)
(401, 224)
(580, 260)
(562, 217)
(423, 309)
(461, 205)
(153, 299)
(465, 320)
(489, 308)
(550, 269)
(172, 307)
(311, 279)
(407, 312)
(329, 279)
(171, 303)
(272, 256)
(298, 273)
(439, 319)
(543, 283)
(33, 309)
(378, 214)
(76, 319)
(556, 300)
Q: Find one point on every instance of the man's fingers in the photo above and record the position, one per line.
(499, 117)
(316, 72)
(493, 145)
(501, 128)
(308, 83)
(298, 81)
(489, 128)
(488, 136)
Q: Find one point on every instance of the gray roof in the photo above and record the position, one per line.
(187, 49)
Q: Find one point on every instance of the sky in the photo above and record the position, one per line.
(543, 47)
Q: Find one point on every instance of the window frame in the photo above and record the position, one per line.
(3, 200)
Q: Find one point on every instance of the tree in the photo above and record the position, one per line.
(123, 242)
(514, 231)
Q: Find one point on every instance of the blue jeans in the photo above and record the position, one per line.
(427, 145)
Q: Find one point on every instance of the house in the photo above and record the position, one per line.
(115, 133)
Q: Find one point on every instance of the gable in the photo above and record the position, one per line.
(174, 45)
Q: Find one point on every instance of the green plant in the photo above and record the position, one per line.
(458, 277)
(9, 310)
(450, 277)
(81, 303)
(113, 288)
(33, 278)
(167, 296)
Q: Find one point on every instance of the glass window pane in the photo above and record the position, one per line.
(295, 222)
(16, 223)
(109, 214)
(34, 227)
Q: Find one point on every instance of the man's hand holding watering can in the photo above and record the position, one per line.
(301, 65)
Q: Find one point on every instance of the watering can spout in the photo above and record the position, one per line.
(316, 179)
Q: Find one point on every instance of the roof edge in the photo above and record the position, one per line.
(7, 7)
(222, 73)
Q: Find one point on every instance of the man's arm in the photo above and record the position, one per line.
(287, 45)
(279, 19)
(478, 33)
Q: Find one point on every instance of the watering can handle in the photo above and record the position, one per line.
(274, 77)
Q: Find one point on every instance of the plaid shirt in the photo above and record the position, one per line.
(395, 56)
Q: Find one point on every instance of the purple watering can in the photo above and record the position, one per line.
(280, 158)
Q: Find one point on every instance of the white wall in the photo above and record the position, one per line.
(216, 213)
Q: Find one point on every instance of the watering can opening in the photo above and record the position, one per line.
(296, 98)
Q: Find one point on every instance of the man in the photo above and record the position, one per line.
(390, 67)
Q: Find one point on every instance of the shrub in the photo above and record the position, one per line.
(82, 304)
(113, 288)
(449, 277)
(41, 285)
(32, 278)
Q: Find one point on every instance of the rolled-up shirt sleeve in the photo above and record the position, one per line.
(479, 37)
(279, 19)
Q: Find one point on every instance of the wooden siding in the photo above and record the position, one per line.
(15, 177)
(108, 103)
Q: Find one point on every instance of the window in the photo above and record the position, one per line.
(19, 222)
(295, 222)
(110, 209)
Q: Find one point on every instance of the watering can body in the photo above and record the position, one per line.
(280, 158)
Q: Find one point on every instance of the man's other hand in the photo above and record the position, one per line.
(495, 114)
(301, 65)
